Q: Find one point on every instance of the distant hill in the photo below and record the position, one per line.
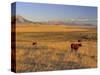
(21, 19)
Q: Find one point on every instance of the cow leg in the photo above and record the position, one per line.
(72, 50)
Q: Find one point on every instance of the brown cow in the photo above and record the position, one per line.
(75, 46)
(34, 43)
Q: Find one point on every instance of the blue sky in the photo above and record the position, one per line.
(49, 12)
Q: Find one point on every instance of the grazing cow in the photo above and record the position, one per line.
(75, 46)
(34, 43)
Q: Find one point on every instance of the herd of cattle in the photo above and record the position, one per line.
(73, 46)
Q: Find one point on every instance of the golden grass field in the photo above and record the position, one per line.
(52, 51)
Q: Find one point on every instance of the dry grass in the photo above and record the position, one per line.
(52, 51)
(50, 28)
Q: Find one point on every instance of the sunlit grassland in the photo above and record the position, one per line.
(52, 51)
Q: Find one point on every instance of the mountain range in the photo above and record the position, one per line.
(21, 19)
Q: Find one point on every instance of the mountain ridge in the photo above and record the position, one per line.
(21, 19)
